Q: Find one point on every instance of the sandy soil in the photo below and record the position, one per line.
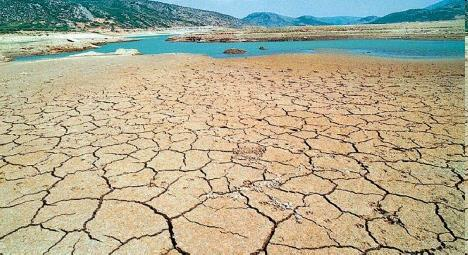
(416, 30)
(186, 154)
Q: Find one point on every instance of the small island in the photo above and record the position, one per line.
(234, 51)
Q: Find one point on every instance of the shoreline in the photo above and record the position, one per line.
(328, 55)
(45, 43)
(72, 49)
(200, 39)
(347, 54)
(439, 30)
(40, 43)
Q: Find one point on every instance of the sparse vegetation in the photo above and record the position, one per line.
(13, 27)
(448, 10)
(62, 15)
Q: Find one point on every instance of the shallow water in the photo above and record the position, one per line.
(413, 49)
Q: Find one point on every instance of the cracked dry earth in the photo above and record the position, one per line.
(190, 155)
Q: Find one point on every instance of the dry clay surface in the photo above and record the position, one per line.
(191, 155)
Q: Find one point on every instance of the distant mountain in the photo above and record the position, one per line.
(367, 19)
(268, 19)
(444, 10)
(86, 14)
(346, 20)
(308, 21)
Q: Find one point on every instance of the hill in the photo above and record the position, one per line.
(444, 4)
(444, 10)
(108, 14)
(346, 20)
(308, 21)
(269, 19)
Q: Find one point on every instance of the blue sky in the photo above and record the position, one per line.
(241, 8)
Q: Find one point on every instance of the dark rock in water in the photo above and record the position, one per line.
(262, 48)
(234, 51)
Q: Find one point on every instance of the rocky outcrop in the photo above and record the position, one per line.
(235, 51)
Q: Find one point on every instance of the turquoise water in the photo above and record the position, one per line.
(387, 48)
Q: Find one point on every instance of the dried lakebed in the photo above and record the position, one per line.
(192, 155)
